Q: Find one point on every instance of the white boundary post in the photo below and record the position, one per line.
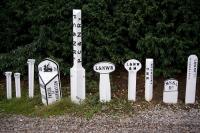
(170, 93)
(132, 66)
(31, 63)
(8, 84)
(104, 68)
(191, 79)
(149, 80)
(77, 72)
(17, 85)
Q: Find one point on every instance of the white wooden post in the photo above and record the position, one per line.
(77, 72)
(17, 85)
(8, 84)
(170, 93)
(149, 80)
(191, 79)
(132, 66)
(31, 77)
(104, 68)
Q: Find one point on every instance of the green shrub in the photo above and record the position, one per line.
(113, 30)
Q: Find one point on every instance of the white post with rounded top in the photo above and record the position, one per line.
(192, 67)
(8, 84)
(31, 63)
(17, 85)
(104, 68)
(132, 66)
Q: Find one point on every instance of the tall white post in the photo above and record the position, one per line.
(8, 84)
(149, 80)
(77, 72)
(31, 63)
(17, 85)
(191, 79)
(132, 66)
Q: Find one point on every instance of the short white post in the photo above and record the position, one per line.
(77, 72)
(132, 79)
(170, 93)
(149, 80)
(31, 77)
(104, 68)
(104, 88)
(191, 79)
(132, 66)
(17, 85)
(8, 84)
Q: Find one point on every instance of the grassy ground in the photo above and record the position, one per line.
(119, 104)
(91, 106)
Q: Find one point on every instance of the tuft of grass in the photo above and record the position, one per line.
(23, 105)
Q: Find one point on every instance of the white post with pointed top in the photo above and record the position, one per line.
(17, 85)
(132, 66)
(31, 63)
(149, 80)
(191, 79)
(8, 84)
(77, 72)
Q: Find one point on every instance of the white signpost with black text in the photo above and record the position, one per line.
(191, 79)
(49, 79)
(132, 66)
(170, 94)
(104, 68)
(149, 80)
(77, 72)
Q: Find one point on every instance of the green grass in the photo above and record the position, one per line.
(91, 105)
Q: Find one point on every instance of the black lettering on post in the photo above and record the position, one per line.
(79, 61)
(78, 25)
(49, 92)
(79, 34)
(74, 43)
(56, 90)
(79, 51)
(107, 67)
(79, 43)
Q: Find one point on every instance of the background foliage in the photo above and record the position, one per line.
(113, 30)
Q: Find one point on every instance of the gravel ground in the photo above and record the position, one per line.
(157, 119)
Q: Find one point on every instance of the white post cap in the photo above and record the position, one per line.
(149, 59)
(16, 74)
(8, 73)
(31, 61)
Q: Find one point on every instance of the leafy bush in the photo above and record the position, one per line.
(114, 30)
